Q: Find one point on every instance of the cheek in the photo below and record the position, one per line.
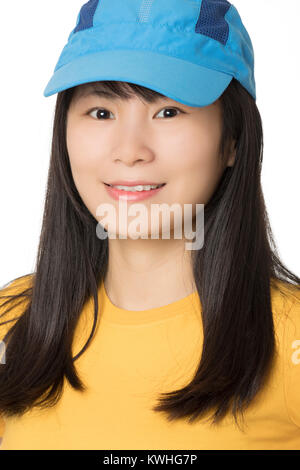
(197, 166)
(84, 151)
(83, 148)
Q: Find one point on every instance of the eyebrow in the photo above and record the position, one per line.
(100, 93)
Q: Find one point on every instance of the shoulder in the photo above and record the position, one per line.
(12, 302)
(286, 310)
(285, 298)
(10, 311)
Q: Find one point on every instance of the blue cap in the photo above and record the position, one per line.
(187, 50)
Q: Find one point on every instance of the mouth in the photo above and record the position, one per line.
(133, 193)
(137, 188)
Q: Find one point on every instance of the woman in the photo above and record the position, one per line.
(118, 341)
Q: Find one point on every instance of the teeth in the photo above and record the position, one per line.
(138, 188)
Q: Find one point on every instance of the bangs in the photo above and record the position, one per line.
(118, 90)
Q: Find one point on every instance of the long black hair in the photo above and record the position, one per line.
(234, 272)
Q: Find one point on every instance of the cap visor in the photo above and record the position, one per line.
(182, 81)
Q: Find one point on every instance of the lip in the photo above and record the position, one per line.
(120, 194)
(132, 183)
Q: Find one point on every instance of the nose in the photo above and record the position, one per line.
(133, 146)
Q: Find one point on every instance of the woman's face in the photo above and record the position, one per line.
(132, 140)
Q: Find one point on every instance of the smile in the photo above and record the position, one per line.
(133, 193)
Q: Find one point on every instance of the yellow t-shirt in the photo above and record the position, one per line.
(137, 355)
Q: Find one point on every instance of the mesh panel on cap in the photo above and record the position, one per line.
(145, 10)
(211, 21)
(87, 13)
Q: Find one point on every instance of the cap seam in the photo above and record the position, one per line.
(166, 26)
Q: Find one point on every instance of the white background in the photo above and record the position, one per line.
(32, 36)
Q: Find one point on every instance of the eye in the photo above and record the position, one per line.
(102, 112)
(172, 109)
